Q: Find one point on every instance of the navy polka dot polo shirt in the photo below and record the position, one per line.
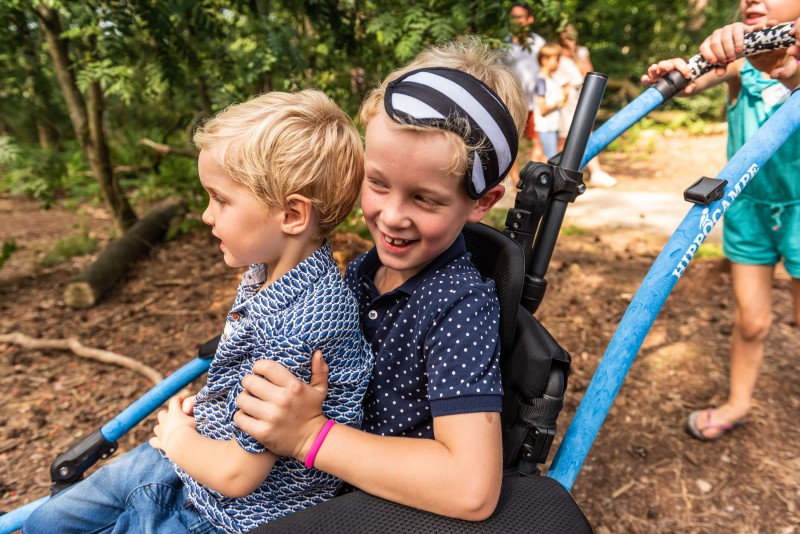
(436, 343)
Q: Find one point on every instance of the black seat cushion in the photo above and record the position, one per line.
(531, 505)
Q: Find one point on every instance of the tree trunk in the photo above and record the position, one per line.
(86, 289)
(38, 88)
(100, 161)
(88, 126)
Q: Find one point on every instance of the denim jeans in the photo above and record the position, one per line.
(139, 493)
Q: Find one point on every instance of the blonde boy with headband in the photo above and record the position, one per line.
(281, 170)
(441, 134)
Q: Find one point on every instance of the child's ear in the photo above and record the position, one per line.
(298, 215)
(485, 203)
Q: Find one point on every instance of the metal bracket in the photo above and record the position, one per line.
(69, 467)
(705, 191)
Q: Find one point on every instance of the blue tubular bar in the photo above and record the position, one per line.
(619, 123)
(12, 521)
(654, 290)
(158, 395)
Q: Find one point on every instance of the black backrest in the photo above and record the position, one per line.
(500, 258)
(534, 366)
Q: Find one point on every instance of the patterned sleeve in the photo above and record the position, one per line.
(337, 333)
(463, 355)
(292, 354)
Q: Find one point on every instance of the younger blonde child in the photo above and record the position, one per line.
(281, 171)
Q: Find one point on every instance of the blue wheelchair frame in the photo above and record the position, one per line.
(712, 197)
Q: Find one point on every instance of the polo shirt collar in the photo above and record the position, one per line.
(371, 263)
(281, 293)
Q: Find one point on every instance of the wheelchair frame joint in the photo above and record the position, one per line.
(671, 84)
(69, 467)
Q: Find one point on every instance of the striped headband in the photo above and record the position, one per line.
(443, 98)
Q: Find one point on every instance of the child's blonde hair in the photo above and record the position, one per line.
(549, 50)
(468, 54)
(279, 144)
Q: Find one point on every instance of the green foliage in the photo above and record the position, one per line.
(9, 247)
(708, 105)
(183, 226)
(496, 217)
(573, 230)
(709, 251)
(165, 65)
(63, 249)
(45, 174)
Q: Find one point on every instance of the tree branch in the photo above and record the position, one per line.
(104, 356)
(165, 150)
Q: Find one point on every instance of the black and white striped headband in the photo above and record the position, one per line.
(437, 96)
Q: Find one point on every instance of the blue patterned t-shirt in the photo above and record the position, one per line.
(306, 309)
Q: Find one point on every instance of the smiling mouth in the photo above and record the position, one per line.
(749, 16)
(395, 242)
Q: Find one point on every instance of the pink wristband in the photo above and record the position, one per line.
(312, 454)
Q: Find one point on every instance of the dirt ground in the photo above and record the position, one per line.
(644, 474)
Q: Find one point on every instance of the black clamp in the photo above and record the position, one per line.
(671, 84)
(539, 184)
(705, 191)
(69, 467)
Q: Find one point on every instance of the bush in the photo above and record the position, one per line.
(9, 247)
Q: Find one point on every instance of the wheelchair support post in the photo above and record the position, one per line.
(545, 190)
(656, 286)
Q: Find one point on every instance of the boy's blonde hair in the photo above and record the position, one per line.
(279, 144)
(468, 54)
(549, 50)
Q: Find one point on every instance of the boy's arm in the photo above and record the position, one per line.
(544, 108)
(457, 474)
(450, 475)
(222, 466)
(541, 99)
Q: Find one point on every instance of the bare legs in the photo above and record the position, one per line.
(752, 288)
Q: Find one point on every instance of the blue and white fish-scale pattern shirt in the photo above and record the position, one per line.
(436, 340)
(308, 308)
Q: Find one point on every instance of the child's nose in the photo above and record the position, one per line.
(207, 217)
(393, 214)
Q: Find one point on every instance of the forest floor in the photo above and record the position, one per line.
(643, 474)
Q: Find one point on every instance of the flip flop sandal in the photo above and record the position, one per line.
(691, 426)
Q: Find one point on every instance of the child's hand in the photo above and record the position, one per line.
(188, 405)
(790, 66)
(172, 422)
(662, 68)
(724, 44)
